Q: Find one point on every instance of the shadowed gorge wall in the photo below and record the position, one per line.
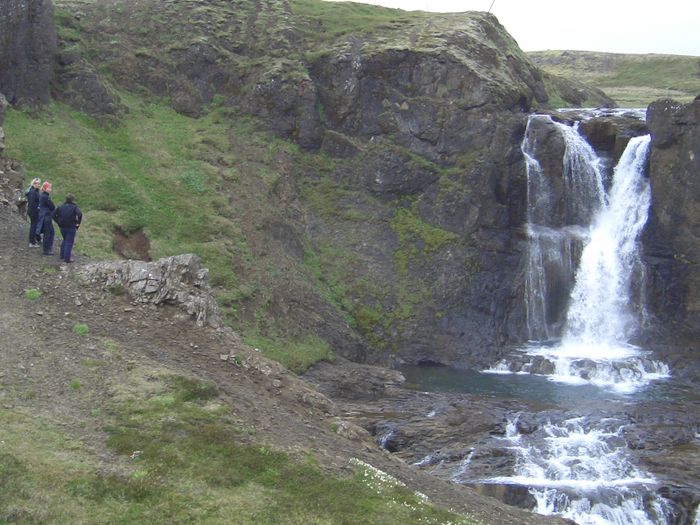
(27, 47)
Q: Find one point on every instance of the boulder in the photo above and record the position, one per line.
(179, 280)
(346, 380)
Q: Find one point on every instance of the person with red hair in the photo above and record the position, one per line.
(45, 222)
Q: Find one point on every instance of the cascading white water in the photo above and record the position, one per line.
(584, 473)
(600, 308)
(554, 234)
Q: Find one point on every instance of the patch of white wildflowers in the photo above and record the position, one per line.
(378, 480)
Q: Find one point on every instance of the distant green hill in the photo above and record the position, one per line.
(630, 80)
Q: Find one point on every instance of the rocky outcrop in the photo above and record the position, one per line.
(672, 236)
(11, 172)
(178, 280)
(76, 81)
(27, 48)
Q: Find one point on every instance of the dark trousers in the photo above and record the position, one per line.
(48, 232)
(33, 237)
(68, 235)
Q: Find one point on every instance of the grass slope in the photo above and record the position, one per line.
(181, 461)
(126, 421)
(192, 185)
(631, 80)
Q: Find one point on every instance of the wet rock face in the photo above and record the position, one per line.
(672, 236)
(27, 48)
(179, 281)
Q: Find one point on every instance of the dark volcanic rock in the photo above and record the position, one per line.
(672, 235)
(287, 99)
(609, 135)
(77, 82)
(356, 382)
(27, 48)
(391, 172)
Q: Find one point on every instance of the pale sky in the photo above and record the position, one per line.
(615, 26)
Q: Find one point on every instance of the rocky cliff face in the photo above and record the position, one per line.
(27, 47)
(11, 171)
(672, 240)
(416, 224)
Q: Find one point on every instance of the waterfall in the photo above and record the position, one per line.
(583, 277)
(600, 310)
(583, 273)
(601, 318)
(555, 226)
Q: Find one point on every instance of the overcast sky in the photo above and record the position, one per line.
(616, 26)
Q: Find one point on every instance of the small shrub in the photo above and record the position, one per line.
(188, 389)
(111, 345)
(32, 294)
(81, 329)
(75, 384)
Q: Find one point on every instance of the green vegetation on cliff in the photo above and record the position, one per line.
(631, 80)
(190, 185)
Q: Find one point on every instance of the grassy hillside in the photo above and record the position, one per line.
(630, 80)
(108, 417)
(192, 470)
(191, 185)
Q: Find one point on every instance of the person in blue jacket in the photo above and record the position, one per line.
(68, 216)
(33, 212)
(44, 225)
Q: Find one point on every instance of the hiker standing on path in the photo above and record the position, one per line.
(44, 222)
(68, 216)
(33, 212)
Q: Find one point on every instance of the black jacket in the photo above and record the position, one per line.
(46, 205)
(68, 215)
(33, 203)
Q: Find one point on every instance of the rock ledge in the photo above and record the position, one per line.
(179, 280)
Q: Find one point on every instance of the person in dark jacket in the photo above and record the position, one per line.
(44, 223)
(33, 212)
(68, 216)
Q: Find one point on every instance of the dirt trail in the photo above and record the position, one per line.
(41, 357)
